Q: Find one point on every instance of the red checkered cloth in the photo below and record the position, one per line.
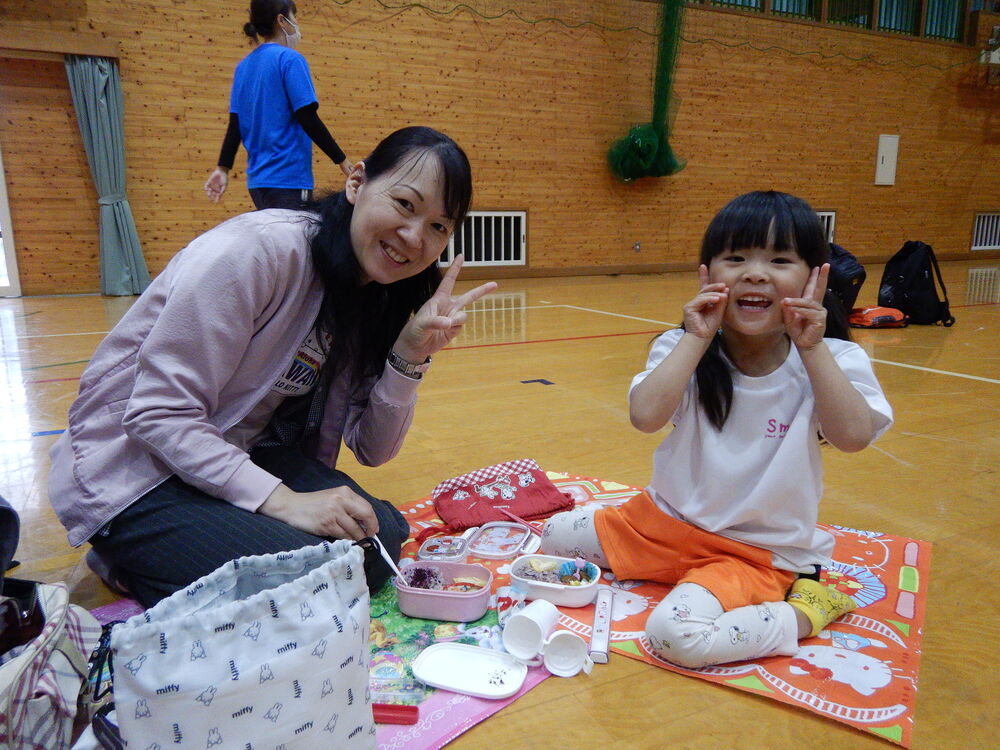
(520, 487)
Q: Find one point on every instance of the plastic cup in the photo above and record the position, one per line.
(565, 654)
(526, 631)
(530, 636)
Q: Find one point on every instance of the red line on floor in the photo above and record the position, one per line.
(566, 338)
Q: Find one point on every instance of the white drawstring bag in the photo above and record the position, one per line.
(266, 651)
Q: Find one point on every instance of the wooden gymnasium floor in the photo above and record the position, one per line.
(933, 477)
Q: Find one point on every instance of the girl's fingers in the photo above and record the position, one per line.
(807, 291)
(703, 275)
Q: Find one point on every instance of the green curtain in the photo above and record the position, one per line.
(97, 98)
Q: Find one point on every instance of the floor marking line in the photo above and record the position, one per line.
(57, 364)
(53, 335)
(936, 372)
(619, 315)
(880, 361)
(550, 341)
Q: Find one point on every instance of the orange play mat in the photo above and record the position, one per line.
(862, 670)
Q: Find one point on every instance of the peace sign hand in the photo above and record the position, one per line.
(703, 314)
(805, 316)
(440, 319)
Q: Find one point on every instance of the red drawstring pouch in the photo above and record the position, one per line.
(473, 499)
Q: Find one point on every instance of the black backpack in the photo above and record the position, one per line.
(846, 277)
(908, 285)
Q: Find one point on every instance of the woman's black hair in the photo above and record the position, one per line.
(363, 320)
(760, 219)
(264, 16)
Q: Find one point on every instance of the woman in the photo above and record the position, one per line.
(272, 109)
(209, 420)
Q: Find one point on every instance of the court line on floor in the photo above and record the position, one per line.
(936, 372)
(606, 335)
(53, 335)
(551, 341)
(880, 361)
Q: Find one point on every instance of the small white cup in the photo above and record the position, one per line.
(525, 631)
(528, 636)
(565, 653)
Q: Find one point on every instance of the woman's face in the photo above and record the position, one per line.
(399, 226)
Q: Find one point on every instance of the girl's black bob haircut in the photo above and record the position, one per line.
(767, 219)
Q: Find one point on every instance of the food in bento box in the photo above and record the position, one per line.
(424, 577)
(575, 573)
(465, 583)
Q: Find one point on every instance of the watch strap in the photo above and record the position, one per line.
(413, 370)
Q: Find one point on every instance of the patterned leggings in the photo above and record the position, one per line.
(689, 627)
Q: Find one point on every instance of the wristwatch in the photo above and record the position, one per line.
(404, 367)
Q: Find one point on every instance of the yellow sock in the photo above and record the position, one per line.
(821, 604)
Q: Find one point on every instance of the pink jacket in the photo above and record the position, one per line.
(190, 359)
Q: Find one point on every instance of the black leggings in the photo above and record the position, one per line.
(279, 198)
(175, 533)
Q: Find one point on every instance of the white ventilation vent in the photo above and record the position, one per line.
(983, 286)
(828, 219)
(489, 238)
(986, 232)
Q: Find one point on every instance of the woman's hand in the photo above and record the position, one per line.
(339, 512)
(346, 166)
(216, 184)
(439, 320)
(703, 314)
(805, 316)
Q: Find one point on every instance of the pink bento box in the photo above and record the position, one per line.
(451, 606)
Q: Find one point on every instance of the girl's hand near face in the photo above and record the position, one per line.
(805, 316)
(703, 314)
(439, 320)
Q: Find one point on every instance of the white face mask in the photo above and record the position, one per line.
(292, 40)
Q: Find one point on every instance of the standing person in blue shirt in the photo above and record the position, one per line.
(272, 110)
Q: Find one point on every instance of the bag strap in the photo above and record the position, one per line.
(946, 319)
(19, 676)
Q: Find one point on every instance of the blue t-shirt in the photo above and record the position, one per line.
(269, 85)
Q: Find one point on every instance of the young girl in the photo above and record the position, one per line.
(758, 371)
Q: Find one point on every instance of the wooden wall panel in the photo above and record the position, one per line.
(53, 203)
(761, 104)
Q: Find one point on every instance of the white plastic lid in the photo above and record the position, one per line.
(472, 670)
(448, 548)
(498, 540)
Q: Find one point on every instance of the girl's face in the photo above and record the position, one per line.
(758, 279)
(399, 226)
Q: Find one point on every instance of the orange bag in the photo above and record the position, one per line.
(877, 317)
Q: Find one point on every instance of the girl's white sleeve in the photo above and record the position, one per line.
(663, 345)
(857, 366)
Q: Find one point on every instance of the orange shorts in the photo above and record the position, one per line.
(644, 543)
